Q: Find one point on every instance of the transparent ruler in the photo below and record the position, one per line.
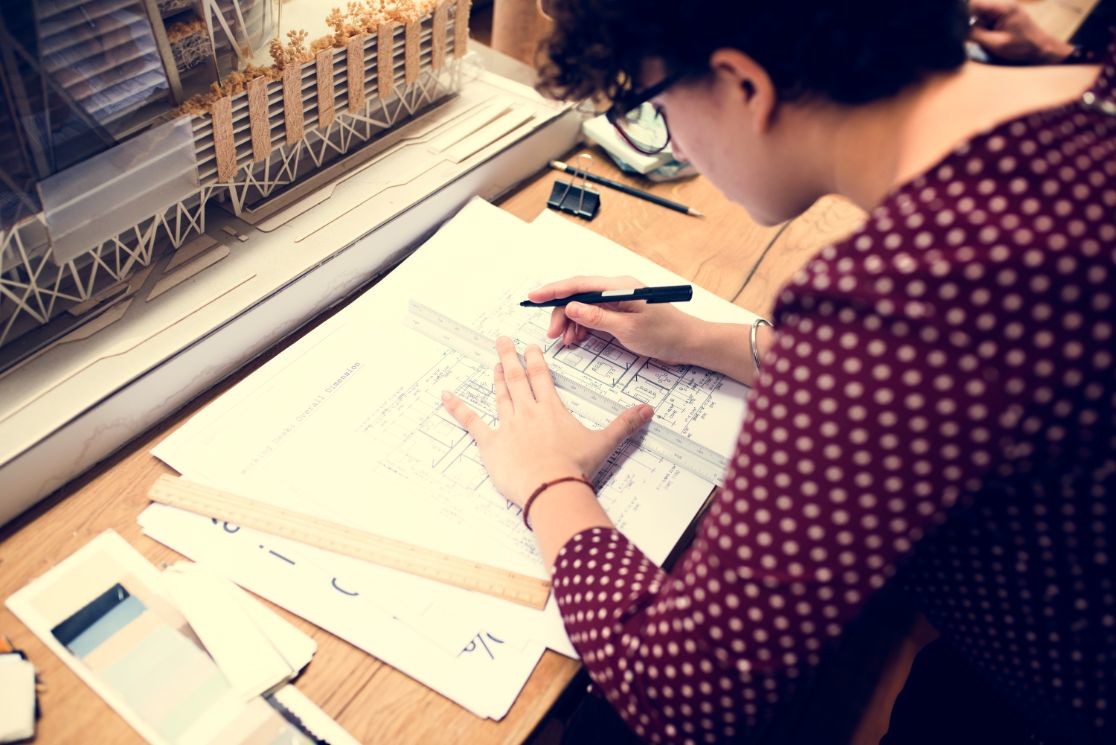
(387, 552)
(656, 438)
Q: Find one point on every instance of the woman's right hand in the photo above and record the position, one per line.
(661, 331)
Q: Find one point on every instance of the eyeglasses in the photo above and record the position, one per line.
(641, 123)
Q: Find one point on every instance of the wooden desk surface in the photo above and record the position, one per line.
(1061, 18)
(725, 252)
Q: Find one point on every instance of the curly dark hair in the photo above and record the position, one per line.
(850, 51)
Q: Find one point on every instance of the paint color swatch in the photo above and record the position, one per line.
(165, 678)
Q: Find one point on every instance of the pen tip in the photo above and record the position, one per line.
(695, 213)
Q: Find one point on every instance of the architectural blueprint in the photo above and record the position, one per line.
(347, 424)
(694, 407)
(412, 436)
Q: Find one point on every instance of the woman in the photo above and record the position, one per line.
(935, 413)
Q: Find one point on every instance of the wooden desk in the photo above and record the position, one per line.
(1060, 17)
(725, 252)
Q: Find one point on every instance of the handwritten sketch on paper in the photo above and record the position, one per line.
(411, 435)
(695, 408)
(356, 436)
(347, 424)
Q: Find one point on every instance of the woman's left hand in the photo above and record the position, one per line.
(537, 438)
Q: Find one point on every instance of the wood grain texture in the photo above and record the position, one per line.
(293, 111)
(461, 28)
(438, 39)
(716, 252)
(259, 118)
(384, 711)
(385, 54)
(323, 63)
(411, 35)
(828, 220)
(354, 60)
(1061, 18)
(224, 145)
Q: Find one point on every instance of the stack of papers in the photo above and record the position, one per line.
(347, 425)
(183, 656)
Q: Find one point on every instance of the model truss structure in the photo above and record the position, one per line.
(249, 149)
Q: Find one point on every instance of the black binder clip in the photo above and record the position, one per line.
(576, 198)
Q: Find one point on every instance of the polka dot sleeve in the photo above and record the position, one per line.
(860, 435)
(920, 366)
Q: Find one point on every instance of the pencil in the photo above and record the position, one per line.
(653, 198)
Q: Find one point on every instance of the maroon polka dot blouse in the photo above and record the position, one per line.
(936, 416)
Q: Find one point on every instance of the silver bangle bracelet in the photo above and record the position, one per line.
(754, 341)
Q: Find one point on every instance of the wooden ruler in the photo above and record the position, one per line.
(387, 552)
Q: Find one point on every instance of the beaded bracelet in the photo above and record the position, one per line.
(753, 341)
(546, 485)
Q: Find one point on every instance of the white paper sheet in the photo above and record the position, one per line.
(109, 564)
(217, 611)
(347, 424)
(484, 674)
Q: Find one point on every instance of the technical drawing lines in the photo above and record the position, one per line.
(678, 393)
(418, 435)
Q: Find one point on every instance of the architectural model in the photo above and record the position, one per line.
(123, 121)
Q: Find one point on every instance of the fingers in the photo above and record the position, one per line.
(569, 336)
(558, 323)
(515, 377)
(566, 287)
(504, 408)
(518, 386)
(575, 333)
(538, 374)
(597, 317)
(991, 40)
(627, 424)
(466, 417)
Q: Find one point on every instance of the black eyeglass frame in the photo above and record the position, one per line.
(621, 107)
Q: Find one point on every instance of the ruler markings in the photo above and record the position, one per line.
(342, 539)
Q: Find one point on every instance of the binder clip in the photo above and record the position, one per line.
(574, 196)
